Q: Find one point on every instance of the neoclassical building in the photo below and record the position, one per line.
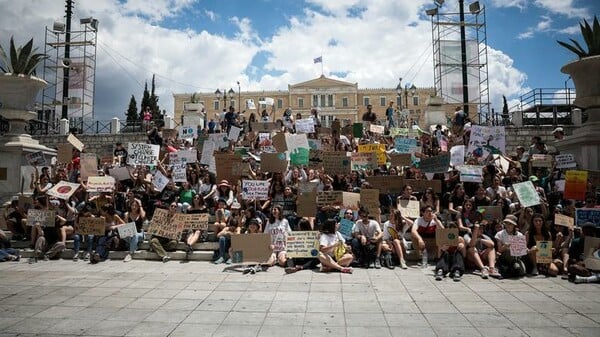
(334, 99)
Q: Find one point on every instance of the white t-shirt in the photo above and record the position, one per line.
(491, 192)
(279, 230)
(424, 223)
(405, 231)
(327, 240)
(370, 230)
(503, 236)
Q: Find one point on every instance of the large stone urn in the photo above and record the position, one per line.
(17, 97)
(584, 143)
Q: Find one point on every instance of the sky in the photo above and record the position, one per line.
(202, 45)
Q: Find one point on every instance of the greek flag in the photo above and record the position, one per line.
(318, 59)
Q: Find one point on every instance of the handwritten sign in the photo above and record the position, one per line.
(379, 129)
(163, 226)
(234, 133)
(142, 154)
(100, 184)
(527, 194)
(485, 140)
(544, 252)
(91, 226)
(305, 125)
(315, 158)
(196, 221)
(338, 198)
(75, 142)
(400, 159)
(363, 161)
(36, 158)
(303, 244)
(436, 164)
(63, 190)
(336, 163)
(160, 181)
(89, 165)
(405, 145)
(457, 155)
(255, 189)
(45, 218)
(64, 153)
(409, 208)
(179, 173)
(183, 157)
(369, 198)
(565, 161)
(541, 160)
(564, 220)
(583, 215)
(446, 236)
(470, 173)
(378, 149)
(188, 131)
(575, 185)
(273, 162)
(518, 245)
(127, 230)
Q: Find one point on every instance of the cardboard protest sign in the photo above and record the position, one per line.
(564, 220)
(591, 253)
(127, 230)
(225, 163)
(160, 181)
(306, 205)
(91, 226)
(518, 245)
(409, 208)
(36, 158)
(75, 142)
(273, 162)
(196, 221)
(302, 244)
(119, 173)
(527, 194)
(255, 189)
(379, 129)
(363, 161)
(470, 173)
(346, 227)
(491, 213)
(63, 190)
(436, 164)
(541, 160)
(544, 252)
(305, 125)
(188, 131)
(163, 226)
(45, 218)
(575, 185)
(369, 198)
(338, 198)
(446, 236)
(400, 159)
(101, 184)
(565, 161)
(315, 158)
(183, 157)
(142, 154)
(583, 215)
(64, 153)
(264, 126)
(89, 165)
(251, 248)
(457, 155)
(336, 162)
(378, 149)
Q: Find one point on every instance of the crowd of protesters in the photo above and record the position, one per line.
(379, 237)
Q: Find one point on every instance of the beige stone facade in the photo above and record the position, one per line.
(334, 99)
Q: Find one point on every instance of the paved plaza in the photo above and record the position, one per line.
(148, 298)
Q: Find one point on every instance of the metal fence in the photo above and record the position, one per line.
(545, 106)
(79, 126)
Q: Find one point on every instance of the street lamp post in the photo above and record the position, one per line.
(225, 94)
(239, 97)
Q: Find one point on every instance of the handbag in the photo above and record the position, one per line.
(339, 250)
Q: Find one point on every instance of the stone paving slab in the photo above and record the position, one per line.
(148, 298)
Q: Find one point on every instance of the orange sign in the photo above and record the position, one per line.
(575, 185)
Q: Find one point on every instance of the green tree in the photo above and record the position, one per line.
(145, 100)
(132, 112)
(156, 114)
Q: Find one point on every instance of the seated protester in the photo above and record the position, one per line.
(457, 199)
(250, 213)
(299, 263)
(451, 259)
(367, 240)
(576, 250)
(406, 194)
(480, 251)
(168, 195)
(348, 216)
(207, 189)
(562, 241)
(14, 216)
(333, 252)
(84, 212)
(198, 207)
(162, 245)
(6, 252)
(468, 216)
(279, 228)
(481, 198)
(503, 203)
(525, 219)
(66, 212)
(394, 238)
(225, 192)
(424, 227)
(429, 198)
(508, 265)
(186, 196)
(224, 237)
(42, 237)
(222, 215)
(136, 215)
(496, 190)
(539, 232)
(110, 240)
(254, 228)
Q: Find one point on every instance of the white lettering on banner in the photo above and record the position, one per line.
(142, 154)
(255, 189)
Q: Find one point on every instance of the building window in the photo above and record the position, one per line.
(262, 99)
(326, 120)
(382, 101)
(315, 100)
(344, 101)
(216, 105)
(300, 102)
(329, 100)
(279, 103)
(322, 103)
(366, 101)
(415, 100)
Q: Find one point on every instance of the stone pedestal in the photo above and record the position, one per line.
(584, 144)
(434, 114)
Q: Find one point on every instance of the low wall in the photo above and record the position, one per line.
(102, 145)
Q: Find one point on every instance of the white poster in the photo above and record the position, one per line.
(220, 139)
(63, 190)
(457, 155)
(486, 140)
(234, 133)
(187, 131)
(142, 154)
(306, 125)
(160, 181)
(127, 230)
(183, 157)
(470, 173)
(179, 173)
(255, 189)
(565, 161)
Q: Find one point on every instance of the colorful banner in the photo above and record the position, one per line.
(378, 149)
(63, 190)
(575, 185)
(255, 189)
(527, 194)
(302, 244)
(363, 161)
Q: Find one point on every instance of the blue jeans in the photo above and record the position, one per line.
(89, 240)
(133, 241)
(224, 244)
(4, 253)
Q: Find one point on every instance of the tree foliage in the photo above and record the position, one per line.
(145, 101)
(132, 112)
(154, 108)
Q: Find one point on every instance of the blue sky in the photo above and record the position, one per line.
(199, 45)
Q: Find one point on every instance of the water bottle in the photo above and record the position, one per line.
(424, 258)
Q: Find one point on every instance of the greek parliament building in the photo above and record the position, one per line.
(333, 99)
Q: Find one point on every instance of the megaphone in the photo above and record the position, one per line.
(66, 63)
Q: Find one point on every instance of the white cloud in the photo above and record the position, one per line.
(565, 7)
(543, 25)
(210, 14)
(510, 3)
(156, 10)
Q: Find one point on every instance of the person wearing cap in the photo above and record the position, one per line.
(558, 133)
(508, 265)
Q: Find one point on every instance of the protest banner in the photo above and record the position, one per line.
(338, 198)
(575, 185)
(44, 217)
(264, 126)
(188, 131)
(183, 157)
(409, 208)
(220, 139)
(369, 198)
(91, 226)
(127, 230)
(119, 173)
(302, 244)
(273, 162)
(298, 148)
(565, 160)
(357, 130)
(315, 159)
(378, 129)
(544, 252)
(436, 164)
(591, 253)
(400, 159)
(160, 181)
(89, 165)
(485, 140)
(564, 220)
(446, 236)
(378, 149)
(101, 184)
(251, 248)
(64, 153)
(363, 161)
(179, 173)
(234, 133)
(518, 245)
(336, 162)
(63, 190)
(225, 163)
(196, 222)
(142, 154)
(527, 194)
(75, 142)
(457, 155)
(405, 145)
(470, 173)
(36, 158)
(491, 213)
(305, 125)
(583, 215)
(541, 160)
(255, 189)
